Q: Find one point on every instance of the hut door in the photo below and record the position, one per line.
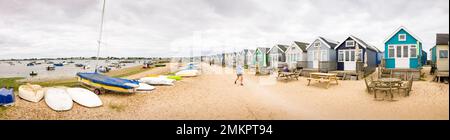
(315, 59)
(350, 60)
(402, 56)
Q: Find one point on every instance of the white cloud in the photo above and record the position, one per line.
(64, 28)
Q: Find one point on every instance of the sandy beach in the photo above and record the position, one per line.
(214, 96)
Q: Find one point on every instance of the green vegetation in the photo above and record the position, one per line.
(10, 82)
(72, 82)
(160, 65)
(66, 82)
(126, 72)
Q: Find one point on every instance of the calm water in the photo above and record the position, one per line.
(69, 70)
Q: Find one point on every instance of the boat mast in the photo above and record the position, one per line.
(100, 36)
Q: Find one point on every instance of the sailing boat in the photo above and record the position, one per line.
(101, 83)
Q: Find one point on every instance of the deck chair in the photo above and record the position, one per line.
(408, 86)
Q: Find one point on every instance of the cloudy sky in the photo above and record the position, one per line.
(66, 28)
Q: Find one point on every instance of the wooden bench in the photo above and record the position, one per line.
(323, 78)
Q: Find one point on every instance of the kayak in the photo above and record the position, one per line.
(187, 73)
(174, 77)
(145, 87)
(157, 81)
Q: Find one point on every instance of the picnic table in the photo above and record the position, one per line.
(395, 82)
(387, 85)
(289, 75)
(323, 77)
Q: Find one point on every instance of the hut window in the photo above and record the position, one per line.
(347, 56)
(340, 56)
(352, 55)
(443, 53)
(391, 51)
(402, 37)
(350, 43)
(405, 51)
(317, 44)
(399, 51)
(413, 51)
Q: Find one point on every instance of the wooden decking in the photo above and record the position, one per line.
(439, 75)
(347, 75)
(401, 73)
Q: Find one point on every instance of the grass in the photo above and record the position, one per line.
(10, 82)
(72, 82)
(126, 71)
(65, 82)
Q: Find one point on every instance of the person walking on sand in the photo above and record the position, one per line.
(239, 73)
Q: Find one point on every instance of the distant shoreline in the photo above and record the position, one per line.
(87, 58)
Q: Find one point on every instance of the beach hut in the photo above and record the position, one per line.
(404, 50)
(231, 59)
(260, 59)
(219, 59)
(277, 55)
(296, 55)
(321, 55)
(355, 55)
(439, 53)
(250, 61)
(243, 59)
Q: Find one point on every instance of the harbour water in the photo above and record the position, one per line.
(20, 68)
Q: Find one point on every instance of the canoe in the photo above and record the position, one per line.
(174, 77)
(100, 81)
(157, 81)
(6, 97)
(58, 99)
(145, 87)
(187, 73)
(32, 93)
(84, 97)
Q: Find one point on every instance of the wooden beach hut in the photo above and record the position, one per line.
(260, 59)
(439, 52)
(403, 53)
(356, 57)
(439, 57)
(321, 55)
(277, 55)
(296, 55)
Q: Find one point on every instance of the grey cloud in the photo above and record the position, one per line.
(58, 28)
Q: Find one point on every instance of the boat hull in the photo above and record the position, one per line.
(94, 85)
